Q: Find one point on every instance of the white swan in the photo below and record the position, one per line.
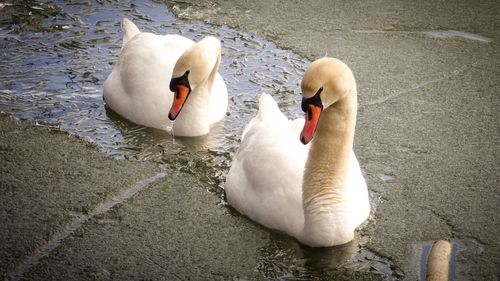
(150, 67)
(316, 194)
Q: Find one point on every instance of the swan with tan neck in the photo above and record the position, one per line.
(162, 78)
(315, 193)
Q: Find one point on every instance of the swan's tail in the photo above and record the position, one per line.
(268, 108)
(129, 31)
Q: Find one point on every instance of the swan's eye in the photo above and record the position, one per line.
(182, 80)
(306, 108)
(303, 106)
(314, 100)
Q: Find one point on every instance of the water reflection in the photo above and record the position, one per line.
(286, 259)
(150, 143)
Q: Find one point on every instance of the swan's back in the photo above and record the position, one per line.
(264, 182)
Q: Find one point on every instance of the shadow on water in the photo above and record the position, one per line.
(56, 57)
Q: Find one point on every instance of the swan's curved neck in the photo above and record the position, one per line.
(193, 119)
(215, 69)
(324, 191)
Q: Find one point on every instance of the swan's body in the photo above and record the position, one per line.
(315, 193)
(138, 86)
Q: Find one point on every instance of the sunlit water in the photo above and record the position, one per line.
(56, 57)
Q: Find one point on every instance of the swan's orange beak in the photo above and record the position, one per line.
(312, 117)
(181, 95)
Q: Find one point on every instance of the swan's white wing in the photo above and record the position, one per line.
(265, 179)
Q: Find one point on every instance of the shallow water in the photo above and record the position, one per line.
(56, 57)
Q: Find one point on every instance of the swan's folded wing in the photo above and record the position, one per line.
(265, 179)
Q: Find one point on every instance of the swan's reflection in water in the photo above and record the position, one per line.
(286, 259)
(154, 144)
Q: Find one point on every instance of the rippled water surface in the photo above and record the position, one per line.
(55, 58)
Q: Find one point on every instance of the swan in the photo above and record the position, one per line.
(154, 73)
(315, 193)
